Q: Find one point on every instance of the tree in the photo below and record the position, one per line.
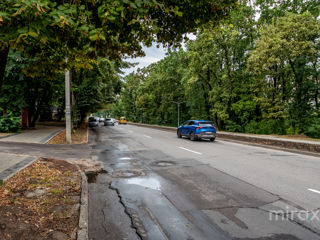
(217, 76)
(86, 29)
(288, 50)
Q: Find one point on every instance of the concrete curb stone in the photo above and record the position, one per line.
(8, 173)
(47, 139)
(83, 218)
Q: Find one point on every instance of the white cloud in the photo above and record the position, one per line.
(153, 54)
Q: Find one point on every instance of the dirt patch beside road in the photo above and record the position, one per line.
(6, 134)
(78, 136)
(41, 202)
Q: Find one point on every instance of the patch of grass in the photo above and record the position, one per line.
(56, 191)
(68, 200)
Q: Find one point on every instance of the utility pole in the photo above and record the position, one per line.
(68, 111)
(178, 103)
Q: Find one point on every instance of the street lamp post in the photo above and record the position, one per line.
(178, 104)
(68, 110)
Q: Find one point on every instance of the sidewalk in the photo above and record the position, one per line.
(12, 163)
(41, 134)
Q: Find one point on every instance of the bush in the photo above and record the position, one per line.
(271, 126)
(293, 131)
(9, 123)
(233, 127)
(252, 127)
(314, 130)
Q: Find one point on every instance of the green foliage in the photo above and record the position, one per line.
(286, 57)
(14, 84)
(151, 94)
(9, 123)
(314, 130)
(271, 126)
(247, 75)
(86, 30)
(233, 127)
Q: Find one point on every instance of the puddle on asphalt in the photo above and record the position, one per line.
(128, 173)
(149, 182)
(121, 164)
(163, 163)
(125, 158)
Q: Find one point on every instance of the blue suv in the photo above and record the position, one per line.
(197, 129)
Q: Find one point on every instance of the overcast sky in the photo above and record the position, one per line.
(153, 54)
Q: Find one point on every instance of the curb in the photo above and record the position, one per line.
(9, 135)
(47, 139)
(10, 172)
(308, 148)
(83, 218)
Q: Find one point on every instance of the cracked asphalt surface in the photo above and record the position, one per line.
(160, 187)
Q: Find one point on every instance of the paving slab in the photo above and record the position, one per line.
(12, 163)
(41, 134)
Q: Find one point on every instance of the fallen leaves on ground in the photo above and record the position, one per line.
(41, 201)
(78, 136)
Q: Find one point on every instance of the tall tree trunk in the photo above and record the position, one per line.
(3, 62)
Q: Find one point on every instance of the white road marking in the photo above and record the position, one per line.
(190, 150)
(146, 136)
(313, 190)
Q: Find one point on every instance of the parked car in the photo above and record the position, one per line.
(123, 120)
(197, 129)
(93, 122)
(101, 119)
(110, 122)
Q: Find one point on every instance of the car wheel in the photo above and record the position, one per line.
(179, 134)
(212, 139)
(193, 136)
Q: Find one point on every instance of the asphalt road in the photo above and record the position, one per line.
(161, 187)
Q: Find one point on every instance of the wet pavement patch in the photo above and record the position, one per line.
(92, 175)
(163, 163)
(125, 158)
(147, 182)
(128, 173)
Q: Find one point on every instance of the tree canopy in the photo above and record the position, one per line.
(247, 74)
(95, 35)
(88, 29)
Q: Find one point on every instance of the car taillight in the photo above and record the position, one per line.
(215, 127)
(198, 128)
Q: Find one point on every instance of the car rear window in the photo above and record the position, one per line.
(108, 119)
(205, 124)
(92, 120)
